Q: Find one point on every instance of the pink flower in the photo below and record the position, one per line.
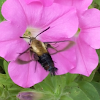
(44, 2)
(90, 27)
(63, 23)
(89, 23)
(80, 5)
(86, 42)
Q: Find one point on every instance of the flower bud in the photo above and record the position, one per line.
(29, 95)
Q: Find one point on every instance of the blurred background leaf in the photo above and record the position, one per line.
(98, 52)
(1, 17)
(96, 4)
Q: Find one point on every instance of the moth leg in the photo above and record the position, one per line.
(67, 47)
(36, 59)
(50, 46)
(35, 55)
(35, 66)
(20, 61)
(24, 51)
(31, 53)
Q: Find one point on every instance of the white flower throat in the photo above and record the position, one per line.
(31, 32)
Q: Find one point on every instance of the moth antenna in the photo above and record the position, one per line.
(25, 37)
(43, 31)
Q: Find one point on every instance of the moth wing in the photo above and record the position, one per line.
(60, 46)
(25, 57)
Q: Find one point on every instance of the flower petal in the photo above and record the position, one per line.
(25, 75)
(11, 49)
(64, 27)
(10, 42)
(91, 36)
(30, 1)
(39, 16)
(10, 30)
(42, 17)
(47, 2)
(80, 5)
(90, 19)
(87, 58)
(90, 27)
(65, 60)
(63, 20)
(13, 11)
(44, 2)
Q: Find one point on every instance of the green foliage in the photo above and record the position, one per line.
(98, 52)
(69, 87)
(1, 17)
(97, 86)
(96, 4)
(97, 1)
(89, 90)
(63, 87)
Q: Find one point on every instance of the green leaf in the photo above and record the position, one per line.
(97, 1)
(5, 93)
(65, 97)
(38, 87)
(45, 87)
(1, 89)
(9, 93)
(14, 90)
(59, 83)
(78, 94)
(89, 90)
(5, 63)
(1, 66)
(1, 17)
(97, 75)
(98, 52)
(46, 84)
(70, 78)
(52, 86)
(90, 78)
(4, 80)
(1, 70)
(90, 7)
(47, 80)
(1, 62)
(97, 86)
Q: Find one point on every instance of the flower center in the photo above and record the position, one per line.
(77, 33)
(31, 32)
